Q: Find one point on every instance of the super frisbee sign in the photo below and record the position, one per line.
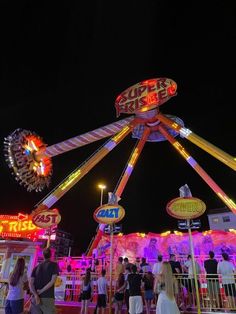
(109, 214)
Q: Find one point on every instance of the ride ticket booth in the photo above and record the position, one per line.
(10, 250)
(19, 237)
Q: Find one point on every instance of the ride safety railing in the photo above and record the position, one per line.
(215, 293)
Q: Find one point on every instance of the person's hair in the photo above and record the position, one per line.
(150, 277)
(103, 272)
(143, 259)
(172, 255)
(168, 280)
(225, 256)
(120, 259)
(159, 258)
(211, 254)
(18, 271)
(87, 277)
(126, 259)
(120, 280)
(189, 256)
(47, 253)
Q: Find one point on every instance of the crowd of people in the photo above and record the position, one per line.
(139, 285)
(170, 286)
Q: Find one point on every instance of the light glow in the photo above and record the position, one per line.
(102, 186)
(19, 226)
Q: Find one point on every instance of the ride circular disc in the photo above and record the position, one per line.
(145, 95)
(21, 149)
(155, 135)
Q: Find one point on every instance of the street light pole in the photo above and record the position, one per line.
(101, 187)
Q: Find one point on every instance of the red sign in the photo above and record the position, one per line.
(145, 95)
(19, 226)
(47, 218)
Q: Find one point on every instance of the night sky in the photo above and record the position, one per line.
(63, 67)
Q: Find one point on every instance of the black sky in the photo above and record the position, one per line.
(64, 65)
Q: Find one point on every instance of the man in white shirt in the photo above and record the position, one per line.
(191, 283)
(102, 286)
(227, 271)
(156, 269)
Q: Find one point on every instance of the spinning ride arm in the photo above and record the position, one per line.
(29, 158)
(118, 191)
(200, 142)
(192, 162)
(84, 139)
(81, 171)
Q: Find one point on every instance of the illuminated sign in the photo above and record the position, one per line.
(109, 214)
(19, 226)
(186, 207)
(47, 218)
(145, 95)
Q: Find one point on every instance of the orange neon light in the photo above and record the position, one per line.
(19, 226)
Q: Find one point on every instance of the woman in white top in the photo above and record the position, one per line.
(166, 303)
(17, 281)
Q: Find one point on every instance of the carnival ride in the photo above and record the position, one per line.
(30, 159)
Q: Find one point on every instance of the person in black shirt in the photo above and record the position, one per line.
(148, 280)
(213, 287)
(42, 282)
(135, 295)
(177, 271)
(175, 265)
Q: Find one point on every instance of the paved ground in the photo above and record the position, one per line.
(73, 308)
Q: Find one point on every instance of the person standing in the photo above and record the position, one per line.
(166, 303)
(135, 294)
(17, 281)
(126, 263)
(177, 271)
(175, 265)
(145, 267)
(87, 291)
(148, 280)
(119, 293)
(102, 287)
(212, 277)
(42, 285)
(227, 271)
(137, 263)
(126, 274)
(191, 282)
(156, 269)
(119, 268)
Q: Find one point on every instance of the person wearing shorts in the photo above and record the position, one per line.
(135, 294)
(102, 286)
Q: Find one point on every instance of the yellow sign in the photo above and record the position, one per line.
(109, 214)
(186, 207)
